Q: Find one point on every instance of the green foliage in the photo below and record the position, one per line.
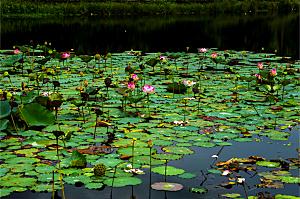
(77, 160)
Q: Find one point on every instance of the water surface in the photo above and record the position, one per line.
(95, 34)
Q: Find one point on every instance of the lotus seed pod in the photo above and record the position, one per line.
(99, 170)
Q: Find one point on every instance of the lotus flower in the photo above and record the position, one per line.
(65, 55)
(202, 50)
(214, 55)
(17, 51)
(188, 83)
(134, 77)
(241, 180)
(260, 65)
(226, 172)
(148, 89)
(258, 76)
(273, 72)
(131, 85)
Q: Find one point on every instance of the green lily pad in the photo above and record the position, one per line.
(231, 195)
(94, 185)
(268, 164)
(281, 196)
(108, 162)
(170, 170)
(290, 179)
(164, 156)
(187, 175)
(178, 150)
(17, 181)
(200, 190)
(122, 181)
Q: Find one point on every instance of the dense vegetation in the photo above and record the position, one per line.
(144, 7)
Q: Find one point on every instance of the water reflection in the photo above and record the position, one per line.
(90, 35)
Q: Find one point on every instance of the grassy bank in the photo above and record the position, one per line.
(77, 8)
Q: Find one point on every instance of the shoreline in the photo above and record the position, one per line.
(29, 8)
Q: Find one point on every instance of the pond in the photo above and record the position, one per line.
(223, 122)
(157, 34)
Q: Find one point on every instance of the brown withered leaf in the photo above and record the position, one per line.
(94, 150)
(276, 108)
(267, 183)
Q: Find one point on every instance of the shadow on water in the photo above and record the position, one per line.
(90, 34)
(201, 160)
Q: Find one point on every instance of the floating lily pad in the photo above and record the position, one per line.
(122, 181)
(170, 170)
(94, 185)
(200, 190)
(187, 175)
(166, 186)
(178, 150)
(268, 164)
(231, 195)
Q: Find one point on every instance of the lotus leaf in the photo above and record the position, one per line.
(164, 156)
(200, 190)
(122, 181)
(290, 179)
(187, 175)
(36, 115)
(178, 150)
(268, 164)
(94, 185)
(170, 170)
(108, 162)
(75, 179)
(166, 186)
(231, 195)
(5, 109)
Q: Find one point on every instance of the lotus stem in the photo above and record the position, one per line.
(245, 190)
(166, 170)
(53, 190)
(132, 152)
(14, 124)
(82, 114)
(95, 130)
(148, 104)
(62, 186)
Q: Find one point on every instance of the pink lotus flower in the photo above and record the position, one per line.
(148, 89)
(226, 172)
(273, 72)
(258, 76)
(162, 58)
(131, 85)
(202, 50)
(260, 65)
(17, 51)
(214, 55)
(65, 55)
(134, 77)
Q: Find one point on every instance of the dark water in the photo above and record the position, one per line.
(95, 34)
(200, 160)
